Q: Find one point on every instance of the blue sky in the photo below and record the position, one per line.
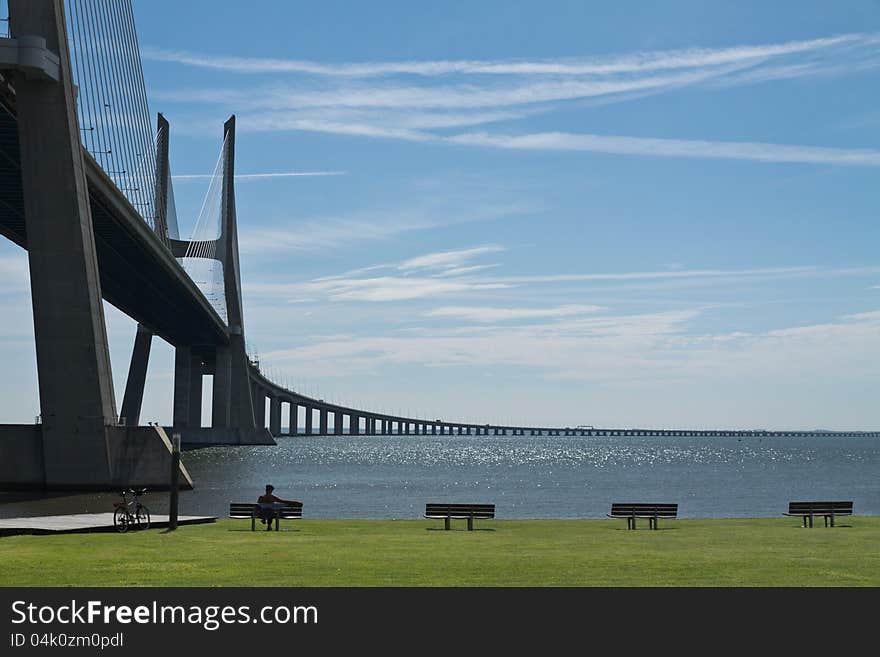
(656, 214)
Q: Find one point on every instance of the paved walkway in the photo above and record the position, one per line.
(82, 522)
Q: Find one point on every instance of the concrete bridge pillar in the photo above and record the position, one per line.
(310, 415)
(294, 418)
(323, 421)
(354, 424)
(275, 416)
(259, 397)
(182, 374)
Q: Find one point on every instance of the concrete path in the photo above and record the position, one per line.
(83, 522)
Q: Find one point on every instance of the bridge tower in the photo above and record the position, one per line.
(232, 407)
(78, 443)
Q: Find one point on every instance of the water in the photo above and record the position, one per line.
(525, 476)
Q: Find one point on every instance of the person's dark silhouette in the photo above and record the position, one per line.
(268, 506)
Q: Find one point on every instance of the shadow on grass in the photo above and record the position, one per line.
(645, 529)
(265, 531)
(475, 529)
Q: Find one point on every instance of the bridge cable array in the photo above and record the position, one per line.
(202, 262)
(112, 99)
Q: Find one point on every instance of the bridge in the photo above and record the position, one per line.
(86, 189)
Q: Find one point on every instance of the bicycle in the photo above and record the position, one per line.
(128, 513)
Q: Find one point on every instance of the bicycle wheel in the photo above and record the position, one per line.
(121, 520)
(142, 517)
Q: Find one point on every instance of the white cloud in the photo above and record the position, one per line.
(472, 269)
(447, 259)
(615, 64)
(381, 288)
(633, 349)
(333, 232)
(621, 145)
(258, 176)
(407, 103)
(491, 315)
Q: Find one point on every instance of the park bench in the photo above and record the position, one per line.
(826, 509)
(460, 511)
(652, 512)
(251, 510)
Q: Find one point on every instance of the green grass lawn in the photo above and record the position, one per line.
(718, 552)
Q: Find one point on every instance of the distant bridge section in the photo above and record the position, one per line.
(318, 414)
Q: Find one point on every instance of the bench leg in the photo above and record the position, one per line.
(447, 522)
(811, 521)
(470, 523)
(277, 520)
(253, 522)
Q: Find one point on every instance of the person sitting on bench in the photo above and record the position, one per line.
(268, 508)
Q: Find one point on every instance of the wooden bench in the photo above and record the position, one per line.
(826, 509)
(251, 510)
(460, 511)
(652, 512)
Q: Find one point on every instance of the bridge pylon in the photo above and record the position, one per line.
(78, 444)
(232, 404)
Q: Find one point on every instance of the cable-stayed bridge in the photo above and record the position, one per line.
(86, 189)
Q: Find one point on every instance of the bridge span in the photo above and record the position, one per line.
(317, 414)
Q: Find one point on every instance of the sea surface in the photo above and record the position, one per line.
(525, 476)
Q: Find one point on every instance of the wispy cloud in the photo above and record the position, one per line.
(375, 289)
(184, 177)
(332, 232)
(421, 101)
(620, 145)
(492, 314)
(448, 260)
(635, 349)
(614, 64)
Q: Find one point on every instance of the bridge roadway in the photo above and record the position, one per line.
(363, 422)
(139, 275)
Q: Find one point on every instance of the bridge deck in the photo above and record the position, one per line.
(139, 275)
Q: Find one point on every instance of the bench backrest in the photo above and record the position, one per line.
(819, 508)
(644, 509)
(466, 510)
(247, 509)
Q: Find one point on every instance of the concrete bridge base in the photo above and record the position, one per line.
(136, 457)
(208, 436)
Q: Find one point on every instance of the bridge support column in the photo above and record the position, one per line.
(78, 444)
(310, 413)
(259, 402)
(73, 360)
(275, 416)
(222, 389)
(323, 421)
(187, 389)
(354, 424)
(294, 419)
(133, 398)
